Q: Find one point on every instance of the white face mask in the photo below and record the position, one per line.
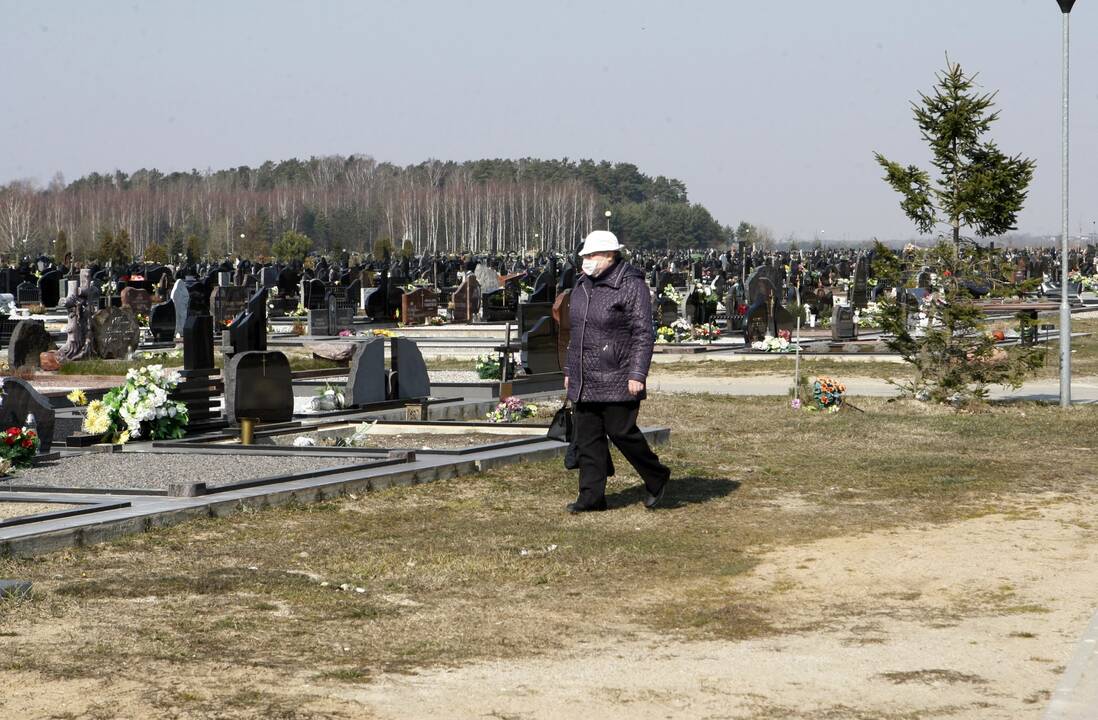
(590, 267)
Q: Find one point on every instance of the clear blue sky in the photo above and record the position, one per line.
(769, 111)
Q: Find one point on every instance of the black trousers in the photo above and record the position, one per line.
(595, 423)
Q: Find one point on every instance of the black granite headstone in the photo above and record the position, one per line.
(162, 321)
(366, 376)
(258, 384)
(409, 376)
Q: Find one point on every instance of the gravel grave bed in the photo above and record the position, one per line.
(155, 471)
(10, 510)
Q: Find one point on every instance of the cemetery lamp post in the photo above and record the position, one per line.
(608, 213)
(1065, 308)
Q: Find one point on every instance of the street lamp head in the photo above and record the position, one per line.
(608, 213)
(1065, 5)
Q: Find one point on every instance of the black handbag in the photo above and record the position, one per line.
(561, 428)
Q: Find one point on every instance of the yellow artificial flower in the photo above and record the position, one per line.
(123, 438)
(98, 418)
(77, 397)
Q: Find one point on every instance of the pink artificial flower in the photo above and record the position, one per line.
(795, 403)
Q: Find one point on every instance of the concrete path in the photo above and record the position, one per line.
(1077, 696)
(1083, 391)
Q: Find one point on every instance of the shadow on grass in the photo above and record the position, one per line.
(683, 491)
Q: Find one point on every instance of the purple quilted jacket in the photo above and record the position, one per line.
(611, 335)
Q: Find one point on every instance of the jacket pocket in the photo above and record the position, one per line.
(611, 355)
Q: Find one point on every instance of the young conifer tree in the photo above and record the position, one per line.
(978, 186)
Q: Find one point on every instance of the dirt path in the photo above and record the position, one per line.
(971, 620)
(976, 619)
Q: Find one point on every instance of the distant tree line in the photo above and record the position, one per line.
(355, 204)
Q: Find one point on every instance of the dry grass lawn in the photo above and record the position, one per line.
(275, 613)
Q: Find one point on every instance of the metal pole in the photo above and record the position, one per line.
(1065, 308)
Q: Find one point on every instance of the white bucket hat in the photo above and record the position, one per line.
(600, 241)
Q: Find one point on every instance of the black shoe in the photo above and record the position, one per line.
(577, 507)
(652, 501)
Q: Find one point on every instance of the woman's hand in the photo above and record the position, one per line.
(565, 383)
(636, 387)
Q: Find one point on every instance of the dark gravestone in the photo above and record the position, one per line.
(49, 288)
(842, 324)
(317, 323)
(19, 401)
(341, 315)
(259, 385)
(268, 277)
(27, 295)
(544, 288)
(666, 311)
(538, 338)
(198, 350)
(248, 331)
(226, 302)
(29, 339)
(9, 280)
(162, 321)
(467, 300)
(540, 351)
(418, 305)
(7, 325)
(366, 376)
(115, 333)
(313, 294)
(502, 304)
(409, 377)
(137, 300)
(859, 295)
(923, 280)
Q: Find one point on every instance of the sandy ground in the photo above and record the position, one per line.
(971, 620)
(975, 619)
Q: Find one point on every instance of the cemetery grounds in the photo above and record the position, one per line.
(901, 562)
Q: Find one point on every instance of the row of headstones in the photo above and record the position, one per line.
(259, 385)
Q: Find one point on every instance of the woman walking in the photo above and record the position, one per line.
(609, 351)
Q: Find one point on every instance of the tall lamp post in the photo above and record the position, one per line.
(608, 219)
(1065, 308)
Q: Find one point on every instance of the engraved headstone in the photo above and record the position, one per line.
(115, 333)
(138, 300)
(467, 300)
(419, 305)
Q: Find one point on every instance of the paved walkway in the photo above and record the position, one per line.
(1083, 390)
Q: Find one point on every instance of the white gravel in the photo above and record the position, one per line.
(157, 471)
